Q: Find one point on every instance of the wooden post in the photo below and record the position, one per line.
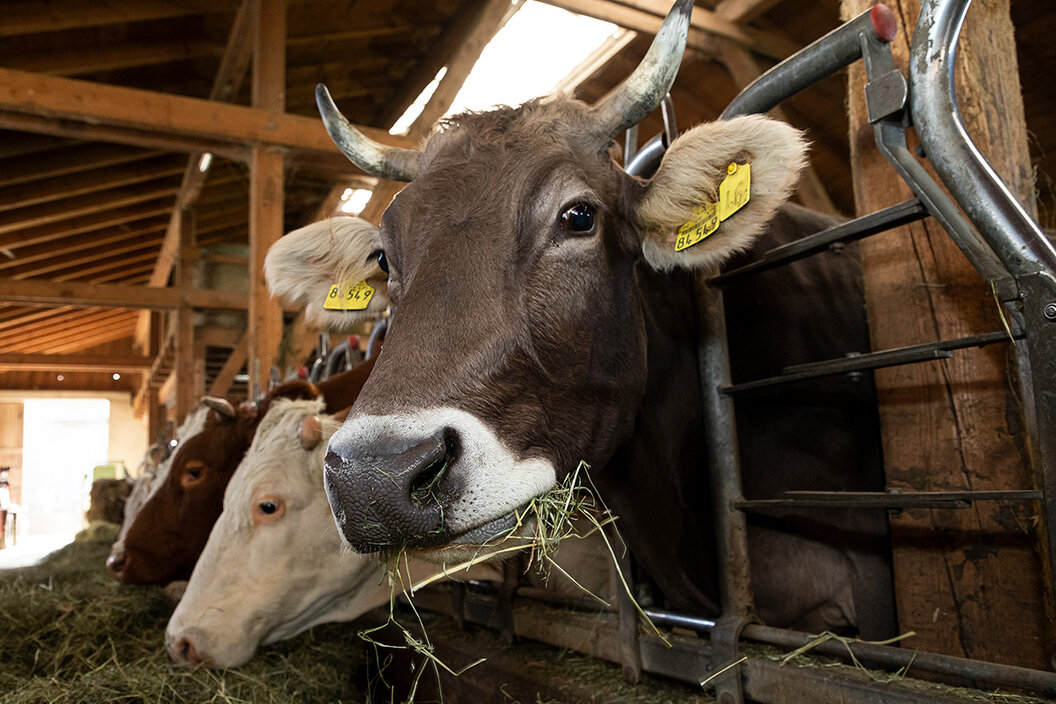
(266, 187)
(188, 254)
(968, 582)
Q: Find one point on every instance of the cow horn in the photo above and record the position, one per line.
(220, 405)
(382, 160)
(649, 83)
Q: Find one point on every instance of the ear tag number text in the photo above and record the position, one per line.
(347, 296)
(705, 221)
(733, 191)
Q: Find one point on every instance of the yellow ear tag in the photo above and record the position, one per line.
(705, 221)
(733, 191)
(349, 296)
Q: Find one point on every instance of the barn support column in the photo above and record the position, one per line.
(968, 582)
(266, 200)
(185, 347)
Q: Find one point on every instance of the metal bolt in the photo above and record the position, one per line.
(1050, 311)
(836, 247)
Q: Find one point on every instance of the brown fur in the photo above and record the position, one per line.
(171, 530)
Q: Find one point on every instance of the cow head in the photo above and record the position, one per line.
(514, 261)
(152, 472)
(274, 564)
(168, 534)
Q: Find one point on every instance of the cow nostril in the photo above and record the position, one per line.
(425, 485)
(184, 652)
(116, 562)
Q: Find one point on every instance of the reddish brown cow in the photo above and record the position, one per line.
(170, 532)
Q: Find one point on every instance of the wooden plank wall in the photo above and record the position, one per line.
(968, 582)
(11, 446)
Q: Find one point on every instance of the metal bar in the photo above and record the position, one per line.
(844, 233)
(818, 60)
(874, 360)
(878, 499)
(724, 467)
(1014, 235)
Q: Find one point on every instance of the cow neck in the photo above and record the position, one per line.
(661, 466)
(340, 391)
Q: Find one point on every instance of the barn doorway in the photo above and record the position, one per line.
(63, 440)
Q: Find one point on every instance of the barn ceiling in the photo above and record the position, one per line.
(90, 203)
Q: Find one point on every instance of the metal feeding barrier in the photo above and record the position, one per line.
(1005, 245)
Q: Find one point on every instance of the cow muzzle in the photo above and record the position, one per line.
(392, 500)
(426, 479)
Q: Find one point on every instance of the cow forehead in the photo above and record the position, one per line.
(276, 460)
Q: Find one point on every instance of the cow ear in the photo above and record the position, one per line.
(688, 182)
(304, 267)
(222, 406)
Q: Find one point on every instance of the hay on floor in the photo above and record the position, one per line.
(69, 633)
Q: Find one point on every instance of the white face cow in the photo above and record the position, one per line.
(274, 564)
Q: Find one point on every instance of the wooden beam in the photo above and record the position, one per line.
(67, 187)
(76, 335)
(228, 80)
(150, 112)
(55, 293)
(226, 376)
(84, 60)
(144, 215)
(73, 159)
(74, 362)
(33, 17)
(647, 15)
(743, 10)
(69, 245)
(184, 343)
(969, 583)
(80, 206)
(266, 194)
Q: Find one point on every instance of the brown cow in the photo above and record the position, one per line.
(171, 530)
(542, 316)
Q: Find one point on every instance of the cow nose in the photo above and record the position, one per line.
(389, 499)
(116, 563)
(183, 652)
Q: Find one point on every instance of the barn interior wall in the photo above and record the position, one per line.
(128, 434)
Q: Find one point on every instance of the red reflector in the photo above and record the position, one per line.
(302, 372)
(353, 342)
(884, 22)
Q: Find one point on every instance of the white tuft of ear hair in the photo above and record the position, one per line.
(302, 266)
(689, 177)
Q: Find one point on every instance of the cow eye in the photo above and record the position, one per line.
(268, 509)
(383, 262)
(579, 219)
(192, 473)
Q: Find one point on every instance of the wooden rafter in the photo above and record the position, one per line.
(140, 214)
(66, 187)
(74, 362)
(646, 16)
(85, 60)
(226, 376)
(70, 160)
(14, 220)
(29, 17)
